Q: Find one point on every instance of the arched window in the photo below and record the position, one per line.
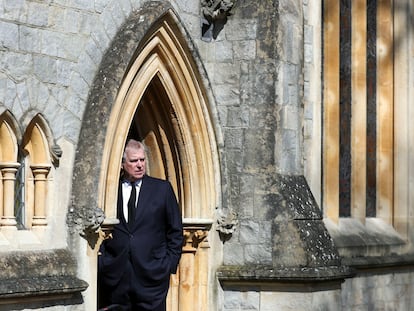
(36, 145)
(9, 136)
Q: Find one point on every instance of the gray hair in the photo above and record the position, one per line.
(135, 145)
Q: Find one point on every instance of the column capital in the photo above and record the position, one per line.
(195, 232)
(9, 167)
(39, 169)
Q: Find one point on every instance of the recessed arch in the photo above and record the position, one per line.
(37, 145)
(162, 84)
(9, 136)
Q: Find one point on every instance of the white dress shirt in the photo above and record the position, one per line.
(126, 193)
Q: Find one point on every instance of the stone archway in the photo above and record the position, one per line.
(176, 123)
(148, 82)
(162, 101)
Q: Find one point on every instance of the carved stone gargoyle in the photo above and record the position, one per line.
(214, 15)
(227, 222)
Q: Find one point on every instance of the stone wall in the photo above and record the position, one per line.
(383, 291)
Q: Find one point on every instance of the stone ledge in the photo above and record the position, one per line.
(38, 275)
(289, 274)
(53, 285)
(372, 239)
(380, 262)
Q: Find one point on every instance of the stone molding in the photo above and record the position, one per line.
(27, 275)
(195, 232)
(268, 277)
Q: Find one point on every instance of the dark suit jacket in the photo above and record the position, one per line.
(151, 250)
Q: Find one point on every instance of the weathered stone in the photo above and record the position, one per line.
(25, 274)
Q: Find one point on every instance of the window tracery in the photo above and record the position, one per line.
(25, 165)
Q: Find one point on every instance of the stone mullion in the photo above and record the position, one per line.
(40, 173)
(403, 116)
(385, 108)
(331, 109)
(8, 171)
(359, 109)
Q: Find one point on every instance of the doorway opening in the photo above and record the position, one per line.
(161, 102)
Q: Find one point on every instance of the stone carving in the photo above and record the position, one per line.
(214, 15)
(193, 239)
(226, 224)
(88, 223)
(56, 153)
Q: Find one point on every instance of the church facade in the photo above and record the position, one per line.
(283, 126)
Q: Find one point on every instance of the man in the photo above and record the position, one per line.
(135, 265)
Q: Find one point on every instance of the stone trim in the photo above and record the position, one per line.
(380, 262)
(267, 276)
(41, 275)
(40, 286)
(356, 239)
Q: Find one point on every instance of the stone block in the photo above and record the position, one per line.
(234, 255)
(15, 10)
(45, 68)
(78, 4)
(250, 232)
(241, 29)
(17, 65)
(23, 96)
(235, 300)
(258, 254)
(285, 301)
(9, 35)
(244, 50)
(63, 71)
(228, 95)
(234, 138)
(29, 39)
(237, 117)
(223, 51)
(38, 14)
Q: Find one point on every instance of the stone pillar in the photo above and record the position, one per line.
(8, 174)
(191, 294)
(202, 265)
(40, 173)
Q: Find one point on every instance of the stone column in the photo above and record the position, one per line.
(202, 266)
(195, 232)
(8, 174)
(40, 173)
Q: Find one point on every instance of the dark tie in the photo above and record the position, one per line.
(131, 206)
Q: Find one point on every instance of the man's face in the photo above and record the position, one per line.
(134, 165)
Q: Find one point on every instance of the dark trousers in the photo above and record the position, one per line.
(122, 297)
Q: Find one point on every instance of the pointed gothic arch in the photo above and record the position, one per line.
(10, 136)
(162, 91)
(37, 144)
